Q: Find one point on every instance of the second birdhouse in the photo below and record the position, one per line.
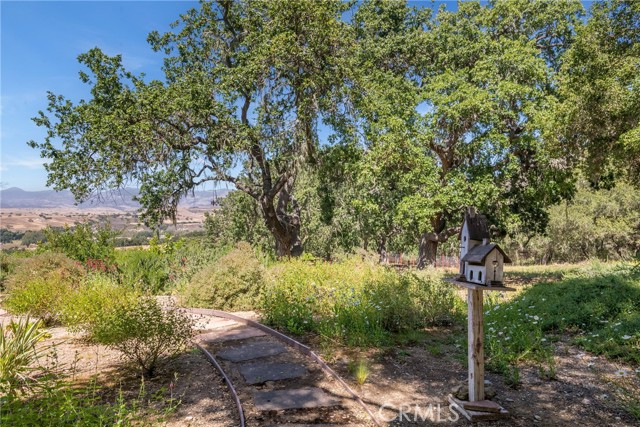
(481, 261)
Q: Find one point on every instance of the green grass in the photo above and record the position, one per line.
(89, 405)
(597, 306)
(355, 303)
(360, 371)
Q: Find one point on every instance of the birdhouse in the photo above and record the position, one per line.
(481, 261)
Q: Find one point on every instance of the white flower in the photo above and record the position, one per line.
(621, 373)
(543, 339)
(536, 318)
(500, 333)
(627, 337)
(532, 306)
(535, 323)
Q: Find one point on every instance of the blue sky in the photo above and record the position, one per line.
(40, 42)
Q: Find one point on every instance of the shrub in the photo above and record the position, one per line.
(8, 236)
(39, 285)
(81, 242)
(234, 282)
(33, 238)
(9, 260)
(98, 297)
(356, 302)
(18, 351)
(143, 332)
(144, 270)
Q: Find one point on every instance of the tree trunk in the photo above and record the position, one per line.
(283, 221)
(427, 251)
(382, 250)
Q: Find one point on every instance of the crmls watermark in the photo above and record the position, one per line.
(417, 412)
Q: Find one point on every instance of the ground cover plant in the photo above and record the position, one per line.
(596, 307)
(354, 302)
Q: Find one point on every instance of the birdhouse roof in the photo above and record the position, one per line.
(478, 226)
(478, 254)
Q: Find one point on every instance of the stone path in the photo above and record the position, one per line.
(276, 384)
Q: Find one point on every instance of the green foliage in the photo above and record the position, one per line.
(8, 263)
(85, 405)
(18, 354)
(359, 370)
(144, 332)
(145, 270)
(8, 236)
(238, 219)
(95, 299)
(40, 284)
(602, 224)
(33, 238)
(234, 282)
(598, 121)
(598, 305)
(354, 302)
(82, 242)
(285, 68)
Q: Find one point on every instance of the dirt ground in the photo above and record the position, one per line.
(404, 384)
(23, 219)
(412, 378)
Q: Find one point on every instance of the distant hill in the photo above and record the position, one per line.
(15, 197)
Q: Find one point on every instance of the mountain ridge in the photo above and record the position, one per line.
(17, 198)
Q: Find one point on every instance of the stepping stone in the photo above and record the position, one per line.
(277, 400)
(231, 335)
(252, 351)
(258, 373)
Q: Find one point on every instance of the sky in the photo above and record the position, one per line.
(40, 43)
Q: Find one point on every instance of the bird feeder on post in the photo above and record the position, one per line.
(481, 269)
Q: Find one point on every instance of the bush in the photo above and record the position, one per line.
(33, 238)
(18, 351)
(9, 260)
(359, 303)
(39, 285)
(8, 236)
(144, 270)
(81, 242)
(98, 297)
(234, 282)
(143, 332)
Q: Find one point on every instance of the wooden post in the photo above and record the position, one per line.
(476, 345)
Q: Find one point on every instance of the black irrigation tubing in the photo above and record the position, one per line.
(291, 342)
(227, 380)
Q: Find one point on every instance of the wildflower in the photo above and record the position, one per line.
(536, 318)
(621, 373)
(543, 340)
(626, 337)
(532, 306)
